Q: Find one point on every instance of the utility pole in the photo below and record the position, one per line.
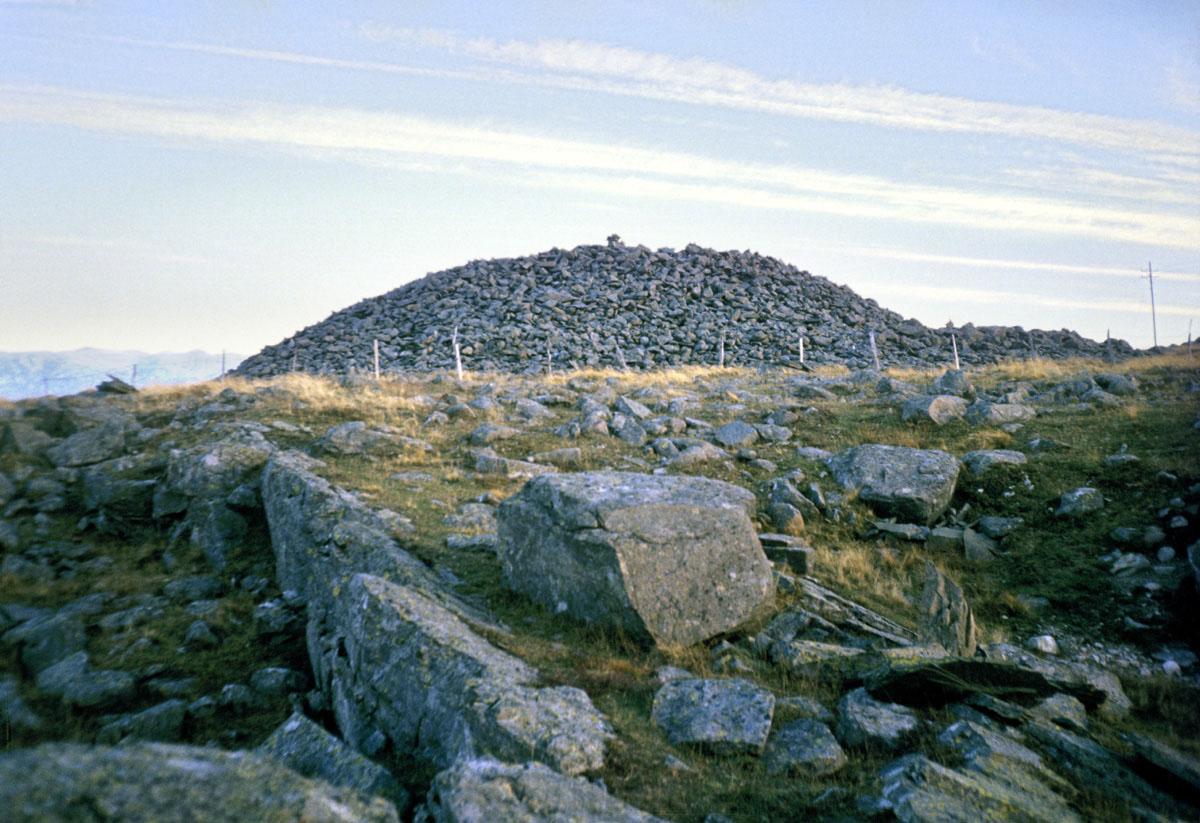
(1153, 310)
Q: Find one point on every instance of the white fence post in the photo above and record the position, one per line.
(376, 348)
(874, 350)
(721, 350)
(457, 354)
(954, 345)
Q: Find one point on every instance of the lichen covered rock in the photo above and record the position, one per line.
(672, 558)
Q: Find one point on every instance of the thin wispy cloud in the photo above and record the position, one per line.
(620, 70)
(122, 248)
(1012, 298)
(609, 168)
(1002, 263)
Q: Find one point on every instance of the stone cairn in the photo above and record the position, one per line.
(631, 307)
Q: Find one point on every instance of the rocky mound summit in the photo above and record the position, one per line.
(618, 305)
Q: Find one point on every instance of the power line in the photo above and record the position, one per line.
(1153, 310)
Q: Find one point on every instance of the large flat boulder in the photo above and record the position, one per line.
(914, 485)
(149, 781)
(672, 558)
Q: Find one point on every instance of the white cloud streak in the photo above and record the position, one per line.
(619, 70)
(1000, 263)
(995, 297)
(606, 168)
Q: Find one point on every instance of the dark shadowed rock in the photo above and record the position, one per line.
(672, 558)
(309, 750)
(936, 683)
(162, 723)
(909, 484)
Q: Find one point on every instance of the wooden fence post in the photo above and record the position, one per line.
(874, 350)
(376, 347)
(954, 345)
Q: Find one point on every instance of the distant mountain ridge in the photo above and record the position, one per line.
(38, 373)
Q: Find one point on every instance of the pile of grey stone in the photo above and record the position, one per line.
(618, 305)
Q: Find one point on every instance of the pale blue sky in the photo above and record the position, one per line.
(220, 177)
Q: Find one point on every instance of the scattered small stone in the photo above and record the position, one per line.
(1081, 501)
(1044, 643)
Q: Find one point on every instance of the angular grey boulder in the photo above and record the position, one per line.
(722, 715)
(90, 445)
(168, 783)
(863, 721)
(415, 672)
(981, 412)
(672, 558)
(979, 462)
(806, 747)
(74, 681)
(307, 749)
(940, 409)
(736, 434)
(161, 723)
(487, 791)
(909, 484)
